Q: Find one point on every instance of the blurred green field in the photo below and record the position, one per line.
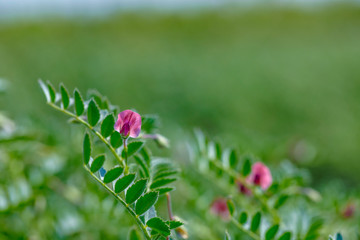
(261, 77)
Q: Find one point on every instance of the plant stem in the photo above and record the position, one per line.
(244, 230)
(126, 155)
(130, 210)
(112, 150)
(168, 198)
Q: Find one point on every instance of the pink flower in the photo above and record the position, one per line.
(219, 208)
(260, 175)
(243, 189)
(128, 124)
(349, 211)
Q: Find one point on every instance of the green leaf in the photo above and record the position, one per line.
(274, 188)
(134, 235)
(271, 232)
(106, 103)
(79, 103)
(143, 166)
(124, 182)
(149, 123)
(107, 125)
(86, 148)
(285, 236)
(163, 174)
(145, 154)
(233, 160)
(93, 113)
(174, 224)
(280, 201)
(115, 139)
(165, 190)
(135, 191)
(133, 147)
(255, 222)
(45, 90)
(158, 225)
(98, 98)
(227, 236)
(146, 202)
(97, 163)
(313, 232)
(243, 218)
(64, 96)
(52, 92)
(162, 182)
(218, 151)
(113, 174)
(246, 169)
(231, 206)
(161, 168)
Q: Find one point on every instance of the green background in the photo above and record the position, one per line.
(260, 79)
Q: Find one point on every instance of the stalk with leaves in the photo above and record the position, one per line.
(127, 169)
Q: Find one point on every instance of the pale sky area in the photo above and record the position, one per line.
(26, 8)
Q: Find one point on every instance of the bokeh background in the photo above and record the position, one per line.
(278, 79)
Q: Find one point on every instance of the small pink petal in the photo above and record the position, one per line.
(219, 208)
(128, 121)
(243, 189)
(260, 175)
(349, 211)
(125, 129)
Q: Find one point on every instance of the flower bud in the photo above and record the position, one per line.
(219, 208)
(128, 124)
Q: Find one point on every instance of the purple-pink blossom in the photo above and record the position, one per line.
(349, 210)
(260, 175)
(128, 124)
(243, 189)
(219, 208)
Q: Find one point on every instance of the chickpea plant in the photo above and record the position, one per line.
(136, 179)
(254, 199)
(116, 156)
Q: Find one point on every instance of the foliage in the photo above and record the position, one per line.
(138, 178)
(42, 190)
(260, 214)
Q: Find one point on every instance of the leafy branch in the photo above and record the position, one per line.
(233, 174)
(130, 210)
(139, 195)
(254, 225)
(79, 104)
(212, 154)
(209, 157)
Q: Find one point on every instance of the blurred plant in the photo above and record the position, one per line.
(220, 208)
(256, 201)
(139, 178)
(42, 196)
(349, 211)
(250, 188)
